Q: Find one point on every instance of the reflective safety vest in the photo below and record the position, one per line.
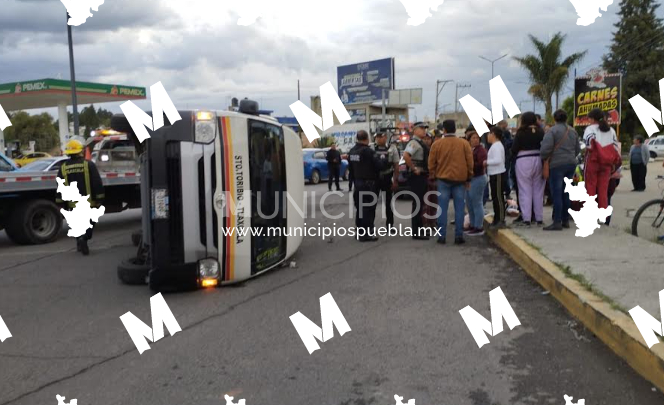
(87, 179)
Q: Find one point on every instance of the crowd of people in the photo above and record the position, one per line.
(466, 170)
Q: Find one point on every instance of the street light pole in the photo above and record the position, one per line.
(438, 82)
(73, 79)
(492, 62)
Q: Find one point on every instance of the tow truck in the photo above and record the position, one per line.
(28, 212)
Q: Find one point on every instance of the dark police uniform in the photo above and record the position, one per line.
(418, 184)
(87, 179)
(365, 168)
(387, 156)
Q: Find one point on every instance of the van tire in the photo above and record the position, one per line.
(653, 155)
(35, 222)
(133, 272)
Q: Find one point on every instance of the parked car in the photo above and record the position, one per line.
(315, 166)
(44, 165)
(656, 146)
(23, 160)
(6, 164)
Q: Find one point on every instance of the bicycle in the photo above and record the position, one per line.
(648, 221)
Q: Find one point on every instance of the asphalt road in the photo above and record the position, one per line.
(400, 297)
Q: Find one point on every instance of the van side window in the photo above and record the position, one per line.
(267, 171)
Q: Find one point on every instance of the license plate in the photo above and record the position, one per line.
(159, 204)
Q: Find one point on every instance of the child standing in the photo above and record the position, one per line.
(497, 176)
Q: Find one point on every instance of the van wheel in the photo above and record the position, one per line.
(35, 222)
(315, 177)
(346, 174)
(133, 271)
(653, 155)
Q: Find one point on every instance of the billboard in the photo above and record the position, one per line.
(345, 135)
(597, 90)
(364, 82)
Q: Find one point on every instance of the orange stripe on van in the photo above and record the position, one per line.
(228, 180)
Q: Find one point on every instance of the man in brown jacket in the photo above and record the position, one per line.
(451, 164)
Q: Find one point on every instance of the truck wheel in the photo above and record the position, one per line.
(315, 177)
(133, 271)
(35, 222)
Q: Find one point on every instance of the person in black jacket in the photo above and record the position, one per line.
(333, 158)
(88, 181)
(365, 169)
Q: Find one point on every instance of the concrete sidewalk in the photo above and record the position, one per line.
(598, 279)
(627, 270)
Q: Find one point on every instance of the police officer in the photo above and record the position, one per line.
(86, 175)
(365, 169)
(388, 177)
(416, 156)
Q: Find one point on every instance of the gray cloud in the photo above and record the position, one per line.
(205, 65)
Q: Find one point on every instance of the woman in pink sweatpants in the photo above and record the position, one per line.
(528, 166)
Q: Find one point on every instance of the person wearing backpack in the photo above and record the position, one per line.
(603, 156)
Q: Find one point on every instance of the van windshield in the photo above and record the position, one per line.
(268, 182)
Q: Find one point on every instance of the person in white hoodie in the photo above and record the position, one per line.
(600, 166)
(497, 175)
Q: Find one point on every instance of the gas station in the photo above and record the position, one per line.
(48, 93)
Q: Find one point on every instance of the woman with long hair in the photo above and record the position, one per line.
(526, 149)
(602, 157)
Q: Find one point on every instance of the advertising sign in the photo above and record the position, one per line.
(358, 115)
(597, 90)
(364, 82)
(345, 135)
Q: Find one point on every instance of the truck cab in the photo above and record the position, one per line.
(208, 178)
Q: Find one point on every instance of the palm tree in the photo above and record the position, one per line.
(547, 70)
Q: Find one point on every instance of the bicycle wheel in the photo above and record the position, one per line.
(648, 221)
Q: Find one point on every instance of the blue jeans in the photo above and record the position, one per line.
(456, 192)
(561, 203)
(475, 201)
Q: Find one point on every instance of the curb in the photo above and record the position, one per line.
(616, 329)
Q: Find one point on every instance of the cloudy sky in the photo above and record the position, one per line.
(203, 58)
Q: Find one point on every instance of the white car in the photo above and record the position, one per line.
(44, 165)
(656, 146)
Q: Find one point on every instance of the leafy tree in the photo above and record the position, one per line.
(38, 128)
(548, 70)
(104, 117)
(637, 51)
(324, 141)
(88, 118)
(568, 106)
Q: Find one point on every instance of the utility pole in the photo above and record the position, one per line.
(73, 79)
(438, 82)
(492, 62)
(298, 89)
(456, 96)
